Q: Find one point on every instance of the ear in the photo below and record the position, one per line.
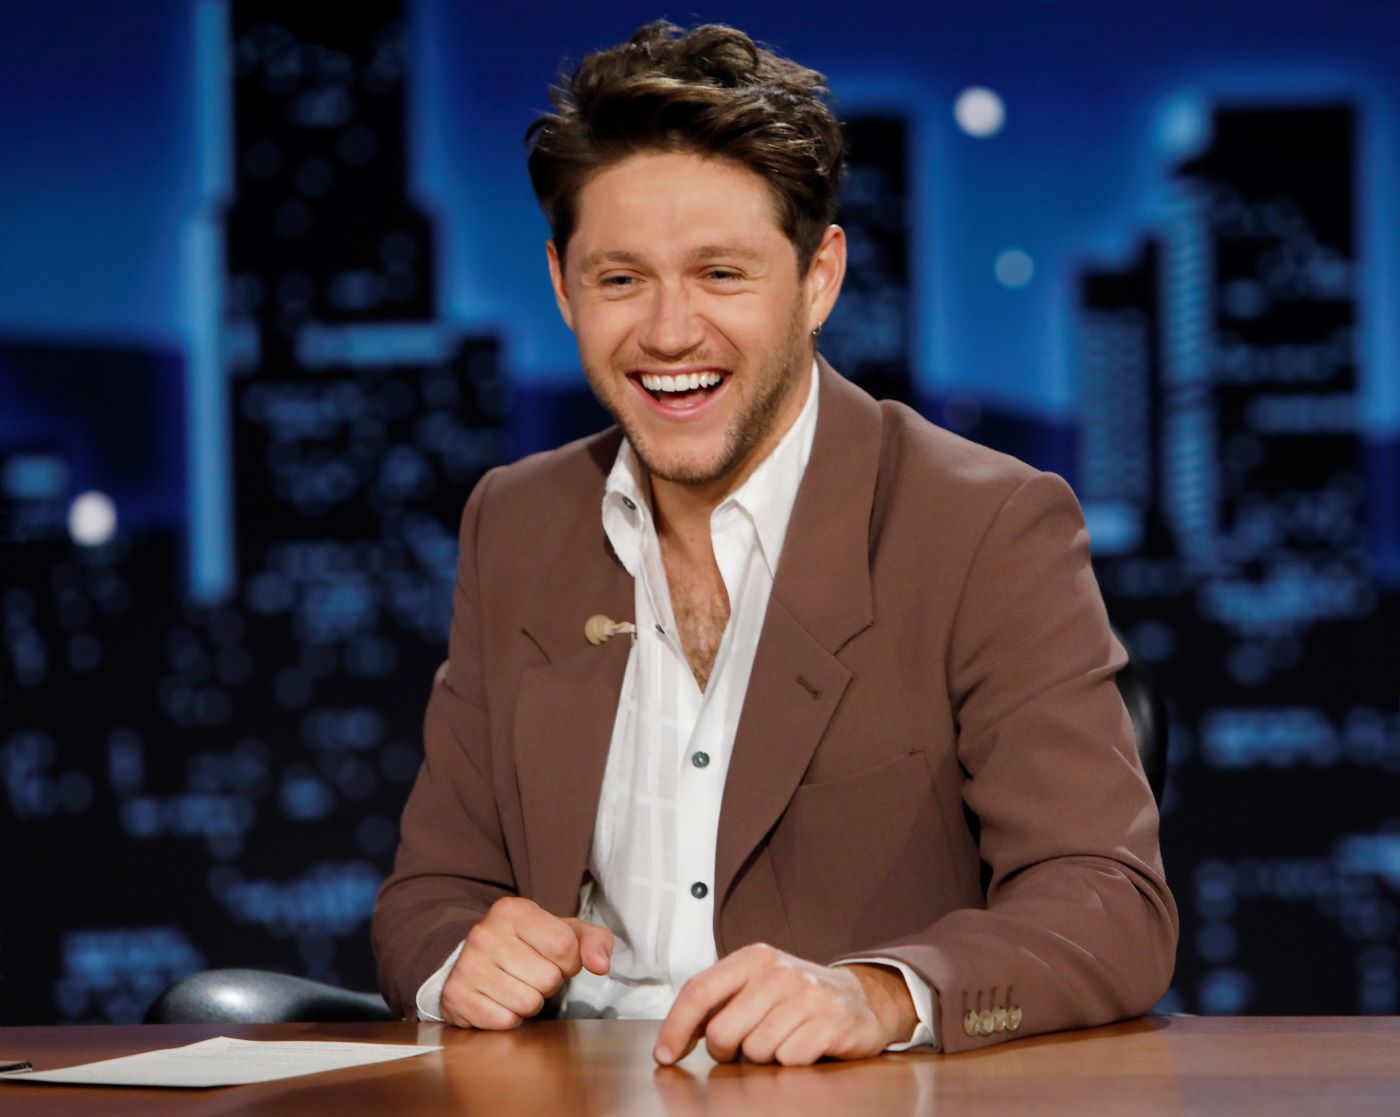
(556, 279)
(825, 275)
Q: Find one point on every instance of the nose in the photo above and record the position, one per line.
(671, 328)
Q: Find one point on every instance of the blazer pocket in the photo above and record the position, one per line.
(863, 859)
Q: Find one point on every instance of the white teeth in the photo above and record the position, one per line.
(685, 382)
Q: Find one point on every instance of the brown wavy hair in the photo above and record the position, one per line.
(711, 91)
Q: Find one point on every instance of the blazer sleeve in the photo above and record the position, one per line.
(1079, 927)
(452, 863)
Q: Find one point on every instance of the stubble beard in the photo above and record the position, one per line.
(775, 377)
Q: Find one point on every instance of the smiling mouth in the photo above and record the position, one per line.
(680, 389)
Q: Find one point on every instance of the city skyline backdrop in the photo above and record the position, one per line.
(274, 287)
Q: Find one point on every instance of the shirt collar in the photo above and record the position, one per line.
(766, 496)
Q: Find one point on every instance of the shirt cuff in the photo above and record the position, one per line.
(920, 992)
(429, 999)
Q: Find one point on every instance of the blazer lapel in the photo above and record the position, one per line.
(566, 707)
(821, 599)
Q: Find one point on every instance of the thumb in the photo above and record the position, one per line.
(595, 945)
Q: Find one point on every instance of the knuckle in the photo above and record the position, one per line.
(511, 907)
(760, 952)
(779, 984)
(560, 942)
(693, 988)
(454, 993)
(553, 982)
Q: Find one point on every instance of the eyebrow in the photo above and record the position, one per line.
(704, 252)
(594, 259)
(734, 251)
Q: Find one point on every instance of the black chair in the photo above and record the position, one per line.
(1148, 711)
(260, 997)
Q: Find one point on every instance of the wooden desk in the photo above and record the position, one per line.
(1157, 1066)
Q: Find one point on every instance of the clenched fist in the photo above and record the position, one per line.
(515, 959)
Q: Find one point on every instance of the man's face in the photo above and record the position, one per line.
(678, 274)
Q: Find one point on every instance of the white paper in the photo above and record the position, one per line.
(224, 1062)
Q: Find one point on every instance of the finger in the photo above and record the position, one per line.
(464, 1005)
(478, 1011)
(805, 1044)
(595, 945)
(524, 963)
(784, 1019)
(551, 937)
(508, 991)
(730, 1026)
(496, 944)
(699, 999)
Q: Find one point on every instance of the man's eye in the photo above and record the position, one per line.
(617, 281)
(722, 273)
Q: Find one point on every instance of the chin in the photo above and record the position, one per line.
(683, 469)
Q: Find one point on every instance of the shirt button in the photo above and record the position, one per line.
(631, 505)
(701, 759)
(698, 890)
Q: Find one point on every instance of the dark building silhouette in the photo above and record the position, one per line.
(870, 335)
(352, 406)
(1261, 367)
(197, 737)
(1250, 587)
(1118, 479)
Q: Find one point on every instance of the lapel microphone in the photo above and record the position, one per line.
(599, 628)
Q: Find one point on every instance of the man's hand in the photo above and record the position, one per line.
(773, 1007)
(516, 958)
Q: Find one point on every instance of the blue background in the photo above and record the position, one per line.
(270, 825)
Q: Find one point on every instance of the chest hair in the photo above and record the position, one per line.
(701, 605)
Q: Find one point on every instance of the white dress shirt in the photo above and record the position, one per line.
(651, 862)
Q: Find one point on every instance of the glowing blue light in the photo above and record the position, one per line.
(1014, 268)
(1184, 126)
(34, 477)
(1226, 992)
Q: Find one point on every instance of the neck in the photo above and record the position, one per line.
(683, 514)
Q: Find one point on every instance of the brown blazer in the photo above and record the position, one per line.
(933, 762)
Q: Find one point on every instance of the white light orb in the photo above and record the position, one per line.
(979, 112)
(92, 519)
(1014, 268)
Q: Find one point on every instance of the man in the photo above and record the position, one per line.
(776, 713)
